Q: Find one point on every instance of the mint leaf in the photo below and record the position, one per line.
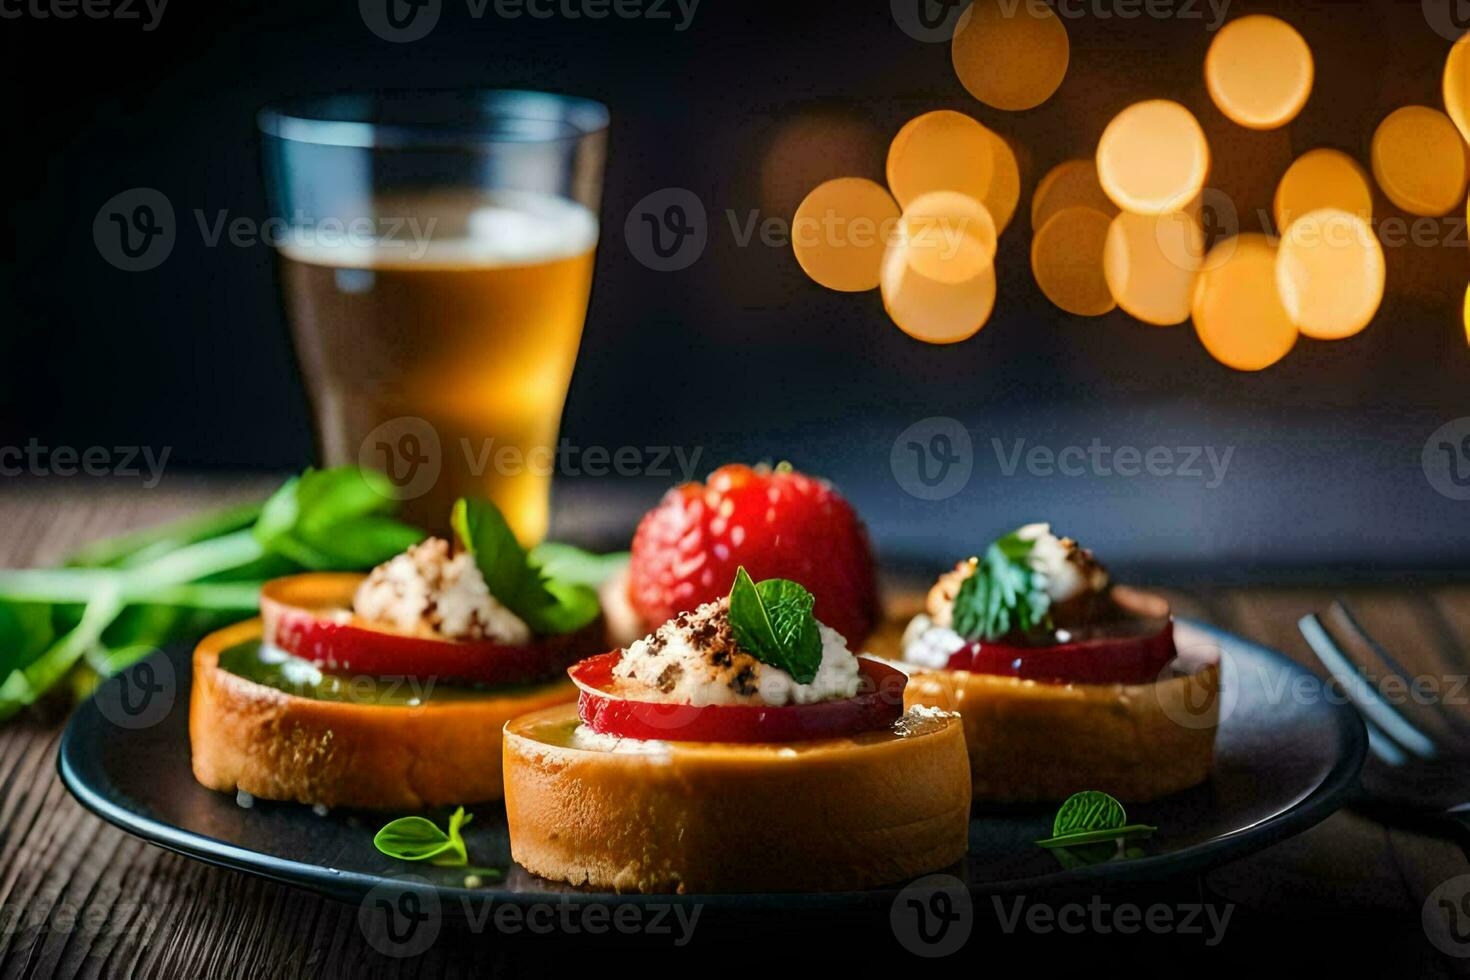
(773, 621)
(1089, 810)
(420, 839)
(1002, 594)
(1094, 825)
(334, 520)
(548, 605)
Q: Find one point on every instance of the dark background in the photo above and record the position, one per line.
(740, 355)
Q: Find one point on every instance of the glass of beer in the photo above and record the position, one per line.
(436, 255)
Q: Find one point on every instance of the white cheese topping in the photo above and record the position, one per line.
(928, 645)
(426, 592)
(1065, 569)
(693, 659)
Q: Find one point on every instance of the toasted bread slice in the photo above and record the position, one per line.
(1032, 741)
(836, 814)
(271, 744)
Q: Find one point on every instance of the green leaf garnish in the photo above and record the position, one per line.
(1003, 594)
(1089, 819)
(1089, 810)
(335, 520)
(547, 604)
(420, 839)
(569, 563)
(773, 622)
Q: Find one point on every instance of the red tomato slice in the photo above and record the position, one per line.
(877, 705)
(1103, 660)
(309, 616)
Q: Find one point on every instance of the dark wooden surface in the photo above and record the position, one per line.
(80, 898)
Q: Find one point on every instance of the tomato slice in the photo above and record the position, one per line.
(1123, 659)
(877, 705)
(309, 616)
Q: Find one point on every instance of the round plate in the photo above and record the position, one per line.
(1285, 756)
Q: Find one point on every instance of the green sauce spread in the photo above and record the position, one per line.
(275, 668)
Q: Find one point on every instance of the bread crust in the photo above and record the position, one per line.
(278, 746)
(695, 818)
(1034, 741)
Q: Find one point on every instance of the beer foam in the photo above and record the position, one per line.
(508, 228)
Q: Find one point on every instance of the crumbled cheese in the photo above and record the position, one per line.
(1066, 570)
(694, 659)
(427, 592)
(929, 645)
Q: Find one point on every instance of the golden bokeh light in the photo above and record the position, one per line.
(1010, 55)
(1005, 183)
(1151, 263)
(840, 232)
(1319, 179)
(1329, 272)
(1466, 314)
(1457, 85)
(933, 311)
(1419, 160)
(946, 236)
(1067, 261)
(1259, 71)
(1071, 183)
(1153, 157)
(941, 151)
(1237, 310)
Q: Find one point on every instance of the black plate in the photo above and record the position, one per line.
(1286, 754)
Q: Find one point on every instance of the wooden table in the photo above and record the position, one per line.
(81, 898)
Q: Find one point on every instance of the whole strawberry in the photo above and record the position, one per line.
(777, 523)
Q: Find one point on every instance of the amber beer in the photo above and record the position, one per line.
(441, 353)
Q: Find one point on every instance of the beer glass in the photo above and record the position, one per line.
(435, 255)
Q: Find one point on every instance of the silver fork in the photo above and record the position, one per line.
(1420, 768)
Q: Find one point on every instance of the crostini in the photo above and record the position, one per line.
(389, 690)
(1063, 680)
(740, 747)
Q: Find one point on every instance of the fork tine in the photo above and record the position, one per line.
(1362, 692)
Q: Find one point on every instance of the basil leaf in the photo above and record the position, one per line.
(1002, 594)
(570, 607)
(1088, 810)
(420, 839)
(1129, 832)
(548, 605)
(483, 531)
(334, 520)
(773, 621)
(571, 564)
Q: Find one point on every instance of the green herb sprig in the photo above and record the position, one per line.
(118, 600)
(521, 581)
(773, 621)
(1003, 594)
(420, 839)
(1091, 827)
